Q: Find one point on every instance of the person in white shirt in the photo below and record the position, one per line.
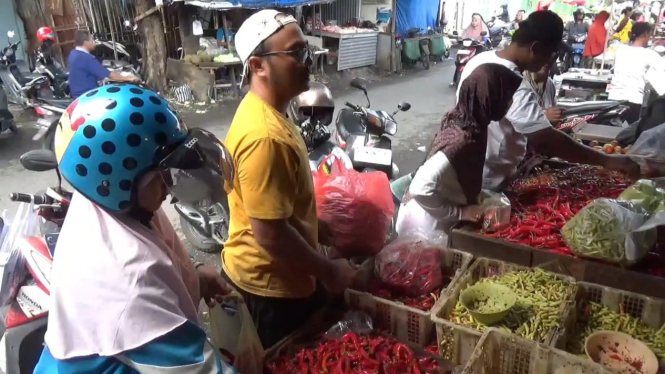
(445, 189)
(631, 64)
(545, 91)
(534, 45)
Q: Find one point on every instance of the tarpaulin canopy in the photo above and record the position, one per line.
(219, 4)
(416, 13)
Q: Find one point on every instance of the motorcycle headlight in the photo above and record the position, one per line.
(391, 127)
(467, 42)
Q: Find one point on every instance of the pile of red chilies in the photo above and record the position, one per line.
(356, 354)
(539, 213)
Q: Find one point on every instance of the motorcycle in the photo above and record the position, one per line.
(130, 54)
(423, 44)
(6, 117)
(361, 133)
(595, 112)
(49, 110)
(14, 79)
(26, 319)
(498, 31)
(57, 74)
(470, 48)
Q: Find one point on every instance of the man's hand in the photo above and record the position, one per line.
(623, 164)
(472, 213)
(341, 276)
(212, 284)
(554, 115)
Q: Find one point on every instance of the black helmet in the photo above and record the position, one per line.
(579, 10)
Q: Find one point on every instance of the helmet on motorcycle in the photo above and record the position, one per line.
(316, 103)
(578, 11)
(45, 33)
(110, 137)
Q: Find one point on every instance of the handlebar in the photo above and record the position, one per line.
(354, 107)
(40, 199)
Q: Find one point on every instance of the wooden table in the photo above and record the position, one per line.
(212, 67)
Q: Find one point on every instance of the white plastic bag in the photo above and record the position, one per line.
(616, 231)
(234, 334)
(496, 210)
(12, 264)
(648, 151)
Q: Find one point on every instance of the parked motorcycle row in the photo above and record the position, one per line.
(46, 89)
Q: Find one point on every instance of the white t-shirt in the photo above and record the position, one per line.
(630, 69)
(506, 140)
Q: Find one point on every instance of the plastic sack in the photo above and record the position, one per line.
(648, 152)
(496, 210)
(234, 335)
(358, 208)
(620, 232)
(411, 265)
(353, 321)
(647, 194)
(12, 264)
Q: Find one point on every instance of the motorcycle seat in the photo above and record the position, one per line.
(114, 64)
(348, 123)
(59, 103)
(21, 77)
(587, 106)
(39, 160)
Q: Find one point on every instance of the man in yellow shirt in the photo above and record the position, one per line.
(271, 254)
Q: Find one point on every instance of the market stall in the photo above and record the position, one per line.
(349, 47)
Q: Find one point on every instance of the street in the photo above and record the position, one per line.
(426, 90)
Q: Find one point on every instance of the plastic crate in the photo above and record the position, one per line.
(651, 311)
(456, 342)
(405, 323)
(502, 353)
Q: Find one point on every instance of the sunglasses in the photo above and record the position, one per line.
(302, 55)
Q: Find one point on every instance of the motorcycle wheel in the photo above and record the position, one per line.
(200, 241)
(424, 58)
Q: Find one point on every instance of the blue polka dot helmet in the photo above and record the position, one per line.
(109, 137)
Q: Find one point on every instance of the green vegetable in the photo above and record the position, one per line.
(594, 317)
(540, 296)
(604, 228)
(647, 194)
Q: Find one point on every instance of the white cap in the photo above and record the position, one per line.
(256, 29)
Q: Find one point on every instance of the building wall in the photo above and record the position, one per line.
(9, 20)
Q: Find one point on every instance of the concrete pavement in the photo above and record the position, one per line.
(426, 90)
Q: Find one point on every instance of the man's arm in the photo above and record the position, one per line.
(528, 118)
(267, 176)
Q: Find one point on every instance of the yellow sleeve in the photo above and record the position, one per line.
(267, 177)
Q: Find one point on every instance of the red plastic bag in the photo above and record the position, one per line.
(411, 265)
(358, 208)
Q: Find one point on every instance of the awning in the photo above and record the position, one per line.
(575, 2)
(219, 4)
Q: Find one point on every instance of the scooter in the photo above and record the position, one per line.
(422, 43)
(470, 48)
(13, 78)
(595, 112)
(361, 133)
(48, 109)
(128, 53)
(57, 74)
(24, 326)
(6, 117)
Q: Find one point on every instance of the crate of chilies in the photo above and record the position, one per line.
(544, 302)
(401, 300)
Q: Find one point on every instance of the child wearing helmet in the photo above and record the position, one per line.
(125, 294)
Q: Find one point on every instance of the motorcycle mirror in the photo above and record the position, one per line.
(358, 83)
(404, 106)
(483, 33)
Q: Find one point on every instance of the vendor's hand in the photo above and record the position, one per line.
(554, 115)
(213, 286)
(340, 277)
(624, 165)
(472, 213)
